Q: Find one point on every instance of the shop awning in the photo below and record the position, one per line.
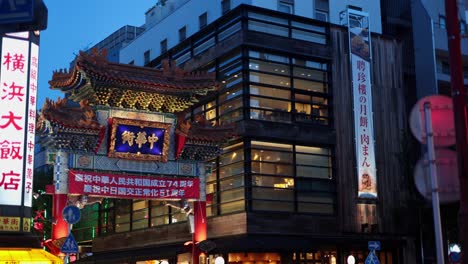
(27, 256)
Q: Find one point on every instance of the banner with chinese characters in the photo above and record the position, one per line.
(132, 186)
(18, 81)
(137, 139)
(360, 47)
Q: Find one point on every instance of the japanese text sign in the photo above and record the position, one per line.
(18, 86)
(360, 46)
(132, 186)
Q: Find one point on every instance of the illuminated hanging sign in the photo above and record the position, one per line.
(142, 140)
(132, 186)
(18, 82)
(360, 47)
(12, 224)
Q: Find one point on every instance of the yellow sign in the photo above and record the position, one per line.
(12, 224)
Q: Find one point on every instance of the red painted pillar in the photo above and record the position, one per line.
(199, 210)
(60, 228)
(60, 198)
(461, 118)
(200, 233)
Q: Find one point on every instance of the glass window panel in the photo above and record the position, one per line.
(231, 157)
(268, 28)
(232, 195)
(204, 46)
(308, 185)
(122, 227)
(315, 208)
(138, 205)
(211, 176)
(227, 60)
(230, 94)
(177, 217)
(232, 207)
(269, 79)
(311, 27)
(313, 172)
(229, 31)
(231, 117)
(140, 224)
(310, 64)
(310, 74)
(160, 220)
(231, 170)
(158, 208)
(271, 92)
(272, 168)
(273, 194)
(275, 182)
(311, 86)
(269, 67)
(272, 206)
(309, 36)
(315, 197)
(231, 78)
(268, 56)
(234, 182)
(268, 18)
(230, 106)
(313, 150)
(271, 145)
(270, 104)
(306, 159)
(211, 187)
(141, 214)
(271, 156)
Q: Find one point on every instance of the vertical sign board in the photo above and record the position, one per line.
(360, 57)
(18, 88)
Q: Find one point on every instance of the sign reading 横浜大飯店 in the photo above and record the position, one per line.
(18, 81)
(360, 47)
(132, 186)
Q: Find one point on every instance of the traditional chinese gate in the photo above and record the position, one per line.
(127, 138)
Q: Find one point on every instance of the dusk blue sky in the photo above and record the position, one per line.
(77, 25)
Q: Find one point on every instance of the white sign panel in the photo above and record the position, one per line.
(31, 125)
(360, 46)
(14, 70)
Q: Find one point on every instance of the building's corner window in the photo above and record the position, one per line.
(146, 57)
(462, 27)
(286, 6)
(322, 10)
(182, 33)
(203, 20)
(225, 6)
(163, 46)
(442, 22)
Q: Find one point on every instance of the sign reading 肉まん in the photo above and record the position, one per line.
(18, 82)
(360, 56)
(132, 186)
(137, 139)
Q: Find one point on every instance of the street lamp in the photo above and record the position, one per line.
(219, 260)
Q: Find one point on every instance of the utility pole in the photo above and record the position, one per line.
(459, 109)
